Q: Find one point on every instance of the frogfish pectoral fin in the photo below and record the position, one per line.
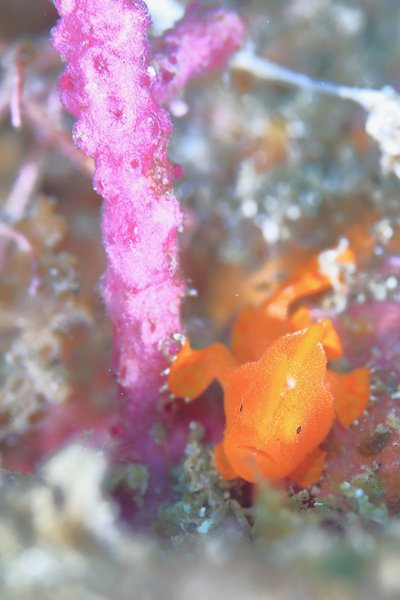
(310, 468)
(194, 370)
(350, 392)
(223, 465)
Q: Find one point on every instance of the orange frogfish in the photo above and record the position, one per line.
(279, 398)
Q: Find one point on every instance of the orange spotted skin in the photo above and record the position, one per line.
(279, 399)
(278, 408)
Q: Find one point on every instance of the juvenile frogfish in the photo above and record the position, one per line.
(279, 397)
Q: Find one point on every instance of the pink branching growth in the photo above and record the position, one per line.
(109, 85)
(106, 85)
(203, 40)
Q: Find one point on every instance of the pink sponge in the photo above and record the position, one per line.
(115, 94)
(203, 40)
(106, 85)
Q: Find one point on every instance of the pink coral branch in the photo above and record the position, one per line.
(203, 40)
(107, 87)
(112, 89)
